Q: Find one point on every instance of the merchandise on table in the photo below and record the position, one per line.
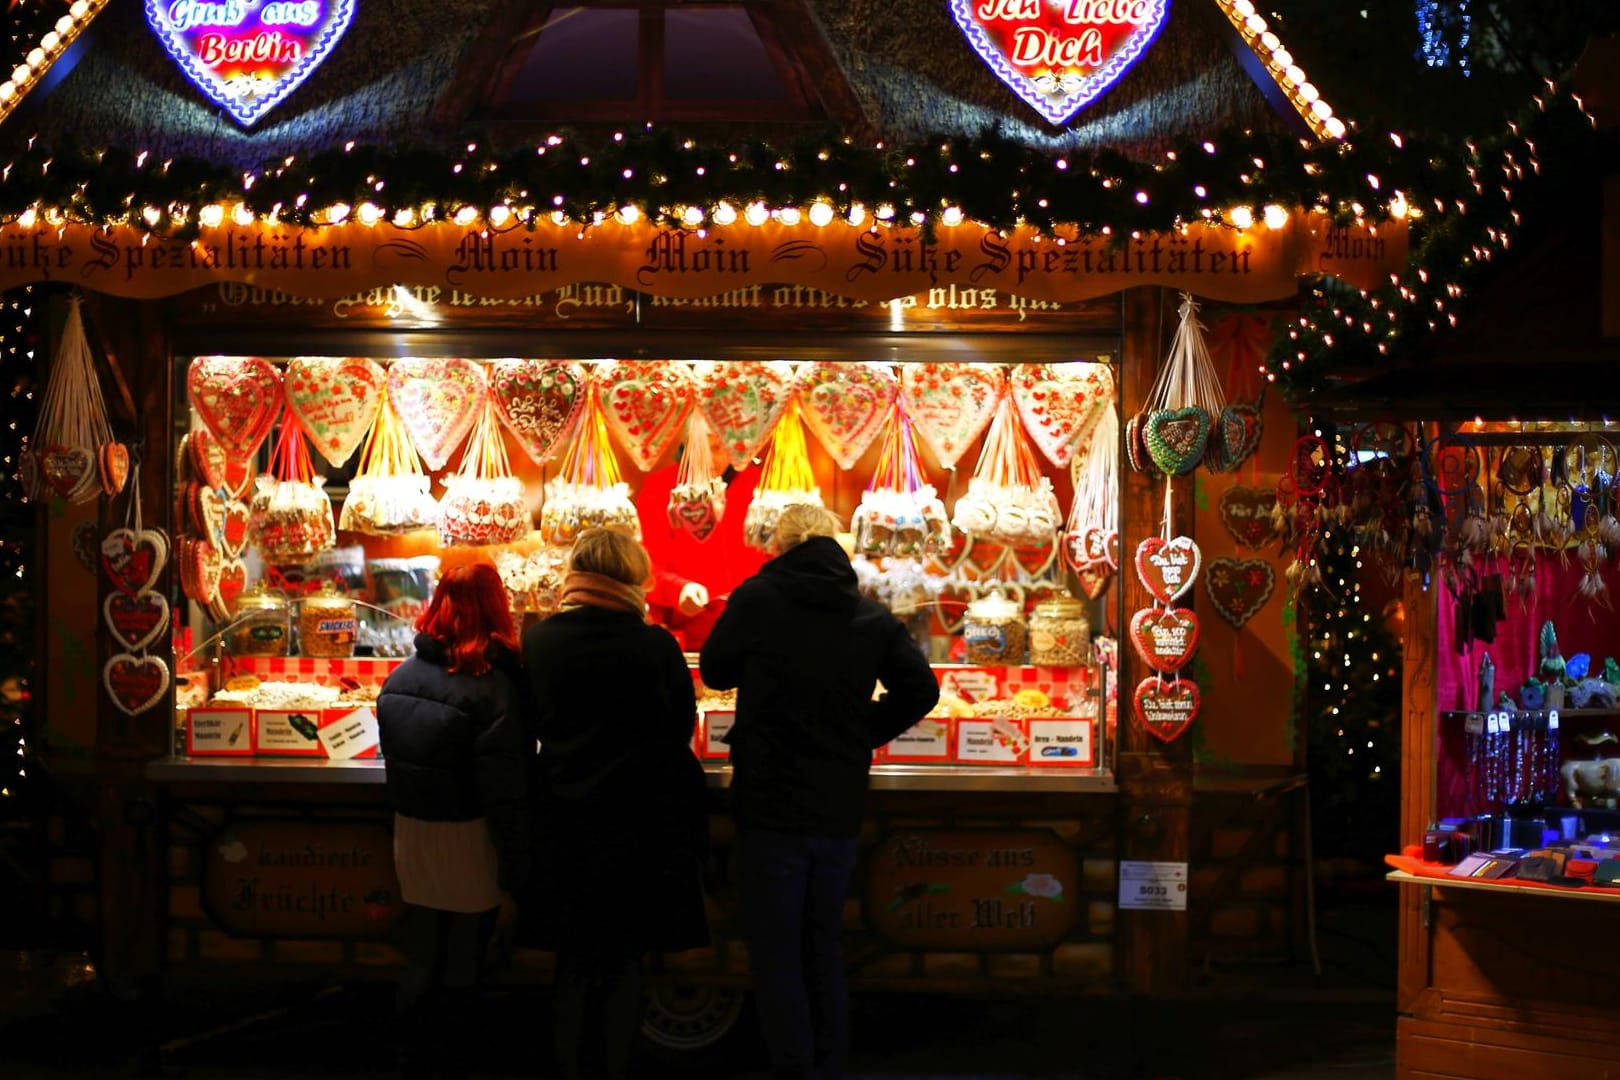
(1059, 633)
(263, 623)
(994, 631)
(327, 624)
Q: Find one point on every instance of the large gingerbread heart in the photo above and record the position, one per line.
(743, 400)
(136, 621)
(238, 398)
(438, 401)
(69, 470)
(645, 403)
(1061, 403)
(335, 401)
(1175, 438)
(133, 560)
(1239, 588)
(135, 683)
(1165, 638)
(206, 458)
(537, 400)
(1246, 513)
(1239, 447)
(1166, 707)
(846, 404)
(1167, 568)
(950, 404)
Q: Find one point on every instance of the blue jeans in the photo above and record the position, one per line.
(793, 890)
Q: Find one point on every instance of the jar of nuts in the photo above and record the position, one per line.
(1059, 633)
(327, 623)
(263, 624)
(993, 629)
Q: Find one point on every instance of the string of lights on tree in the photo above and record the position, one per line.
(19, 341)
(1445, 33)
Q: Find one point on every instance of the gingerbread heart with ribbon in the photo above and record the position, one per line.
(1175, 438)
(200, 567)
(743, 400)
(1167, 568)
(205, 458)
(205, 506)
(437, 400)
(1246, 513)
(1240, 444)
(1165, 638)
(135, 683)
(136, 621)
(234, 530)
(113, 462)
(1094, 579)
(845, 404)
(68, 468)
(537, 401)
(1166, 707)
(645, 403)
(950, 404)
(1061, 403)
(238, 398)
(1239, 588)
(335, 400)
(133, 559)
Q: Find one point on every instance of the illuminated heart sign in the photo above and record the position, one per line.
(247, 55)
(1059, 55)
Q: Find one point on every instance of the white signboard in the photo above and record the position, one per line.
(1153, 886)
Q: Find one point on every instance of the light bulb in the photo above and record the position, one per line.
(368, 213)
(724, 213)
(788, 215)
(821, 214)
(756, 214)
(337, 213)
(1275, 216)
(211, 216)
(692, 215)
(857, 214)
(465, 215)
(499, 215)
(952, 216)
(1241, 216)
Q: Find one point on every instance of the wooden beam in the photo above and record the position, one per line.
(1419, 670)
(791, 21)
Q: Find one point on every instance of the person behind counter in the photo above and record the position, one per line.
(805, 652)
(620, 809)
(453, 724)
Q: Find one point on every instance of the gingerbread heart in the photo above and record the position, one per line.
(208, 460)
(1061, 403)
(68, 469)
(1165, 638)
(951, 603)
(1094, 579)
(695, 516)
(232, 582)
(135, 683)
(742, 401)
(846, 404)
(1110, 549)
(1136, 455)
(1246, 512)
(238, 398)
(238, 477)
(1035, 561)
(537, 400)
(950, 404)
(984, 558)
(114, 462)
(1167, 568)
(84, 544)
(200, 567)
(946, 559)
(438, 401)
(335, 400)
(1073, 544)
(133, 561)
(1175, 438)
(1238, 448)
(1239, 588)
(1225, 432)
(234, 530)
(136, 621)
(206, 508)
(645, 403)
(1166, 707)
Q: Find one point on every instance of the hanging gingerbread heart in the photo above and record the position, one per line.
(1166, 707)
(1136, 454)
(1175, 438)
(68, 468)
(951, 604)
(234, 530)
(1165, 638)
(135, 683)
(207, 458)
(1073, 543)
(537, 400)
(335, 400)
(438, 401)
(1061, 403)
(1225, 429)
(743, 400)
(1167, 568)
(1240, 447)
(238, 477)
(1094, 579)
(1035, 561)
(946, 559)
(84, 541)
(645, 403)
(950, 404)
(232, 582)
(133, 560)
(113, 460)
(1246, 513)
(205, 508)
(136, 621)
(1239, 588)
(238, 398)
(846, 404)
(200, 568)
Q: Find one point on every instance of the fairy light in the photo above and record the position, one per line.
(756, 214)
(1282, 67)
(822, 214)
(20, 312)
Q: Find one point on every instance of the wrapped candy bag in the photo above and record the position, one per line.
(786, 480)
(590, 492)
(290, 515)
(899, 514)
(483, 502)
(697, 502)
(1008, 500)
(390, 493)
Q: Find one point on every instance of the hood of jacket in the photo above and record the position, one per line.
(815, 574)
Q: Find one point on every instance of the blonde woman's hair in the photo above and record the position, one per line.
(612, 554)
(800, 521)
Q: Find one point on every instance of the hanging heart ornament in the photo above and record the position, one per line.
(1167, 568)
(238, 398)
(1175, 438)
(1094, 579)
(845, 404)
(1246, 513)
(1165, 638)
(742, 400)
(437, 401)
(645, 403)
(950, 404)
(537, 400)
(135, 683)
(68, 468)
(1166, 707)
(136, 621)
(1061, 403)
(1239, 588)
(133, 560)
(335, 400)
(207, 458)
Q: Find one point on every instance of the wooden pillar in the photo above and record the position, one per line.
(1155, 779)
(1420, 609)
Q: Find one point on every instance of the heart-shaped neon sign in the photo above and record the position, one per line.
(248, 55)
(1060, 55)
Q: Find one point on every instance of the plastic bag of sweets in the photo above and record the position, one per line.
(402, 587)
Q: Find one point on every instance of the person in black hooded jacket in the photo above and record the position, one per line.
(805, 651)
(453, 721)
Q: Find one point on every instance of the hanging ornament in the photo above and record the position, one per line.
(335, 399)
(1061, 403)
(589, 491)
(1008, 500)
(951, 404)
(290, 514)
(238, 399)
(64, 456)
(845, 405)
(1247, 514)
(743, 400)
(483, 502)
(133, 557)
(438, 401)
(785, 480)
(135, 683)
(1093, 525)
(900, 514)
(1239, 588)
(1167, 568)
(645, 403)
(136, 621)
(390, 493)
(1165, 638)
(1166, 707)
(537, 400)
(1185, 401)
(697, 502)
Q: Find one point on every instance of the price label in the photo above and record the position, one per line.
(1153, 886)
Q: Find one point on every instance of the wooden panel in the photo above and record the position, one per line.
(1431, 1049)
(1418, 717)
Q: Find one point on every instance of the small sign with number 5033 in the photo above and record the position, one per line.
(1153, 886)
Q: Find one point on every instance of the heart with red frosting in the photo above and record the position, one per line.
(1165, 638)
(845, 404)
(237, 397)
(1166, 707)
(135, 683)
(234, 530)
(113, 460)
(645, 403)
(742, 400)
(66, 468)
(133, 560)
(1094, 579)
(207, 458)
(136, 621)
(232, 582)
(1167, 568)
(1061, 403)
(1246, 513)
(1239, 588)
(537, 400)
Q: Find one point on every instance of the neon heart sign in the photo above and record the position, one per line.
(248, 55)
(1060, 55)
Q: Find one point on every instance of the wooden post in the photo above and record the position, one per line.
(1155, 779)
(1418, 700)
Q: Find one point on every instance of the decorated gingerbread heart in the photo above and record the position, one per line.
(135, 683)
(1166, 707)
(205, 507)
(200, 567)
(537, 400)
(698, 517)
(1136, 454)
(133, 560)
(1175, 438)
(846, 404)
(136, 621)
(1239, 588)
(1246, 416)
(645, 403)
(238, 477)
(234, 530)
(1035, 561)
(742, 401)
(438, 401)
(67, 469)
(1167, 568)
(1061, 403)
(238, 398)
(113, 460)
(206, 458)
(232, 582)
(1094, 579)
(1246, 513)
(950, 404)
(1165, 638)
(335, 400)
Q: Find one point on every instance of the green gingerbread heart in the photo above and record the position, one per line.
(1175, 438)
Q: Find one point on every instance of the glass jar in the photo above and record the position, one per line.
(993, 629)
(1059, 633)
(327, 624)
(263, 623)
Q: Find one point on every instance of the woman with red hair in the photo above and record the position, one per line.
(454, 725)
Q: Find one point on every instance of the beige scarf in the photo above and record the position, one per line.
(581, 589)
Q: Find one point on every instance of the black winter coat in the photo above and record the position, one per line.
(621, 815)
(805, 651)
(457, 747)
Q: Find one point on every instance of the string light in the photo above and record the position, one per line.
(19, 333)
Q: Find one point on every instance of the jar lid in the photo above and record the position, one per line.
(994, 606)
(260, 597)
(1066, 607)
(328, 598)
